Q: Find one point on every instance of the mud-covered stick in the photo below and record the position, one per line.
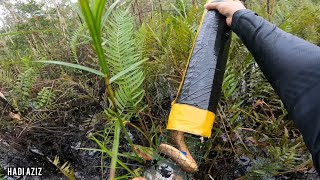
(186, 162)
(177, 138)
(180, 154)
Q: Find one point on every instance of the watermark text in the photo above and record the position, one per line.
(24, 171)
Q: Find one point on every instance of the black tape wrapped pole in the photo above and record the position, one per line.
(194, 109)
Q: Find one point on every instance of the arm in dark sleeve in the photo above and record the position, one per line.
(292, 66)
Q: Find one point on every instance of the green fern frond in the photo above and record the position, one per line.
(45, 98)
(288, 156)
(6, 76)
(181, 37)
(263, 168)
(66, 168)
(37, 116)
(74, 42)
(23, 89)
(122, 53)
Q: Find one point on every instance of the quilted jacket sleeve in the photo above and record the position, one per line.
(292, 66)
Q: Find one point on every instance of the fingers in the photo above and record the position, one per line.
(213, 5)
(216, 5)
(226, 8)
(139, 178)
(222, 7)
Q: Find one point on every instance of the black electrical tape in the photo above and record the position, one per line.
(203, 80)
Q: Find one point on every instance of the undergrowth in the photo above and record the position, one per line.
(128, 68)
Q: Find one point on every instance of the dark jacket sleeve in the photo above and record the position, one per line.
(292, 66)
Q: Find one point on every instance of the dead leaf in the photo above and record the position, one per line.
(144, 155)
(15, 116)
(2, 96)
(252, 139)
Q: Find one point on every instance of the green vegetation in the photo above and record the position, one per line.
(110, 69)
(65, 168)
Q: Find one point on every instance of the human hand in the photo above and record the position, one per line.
(139, 178)
(226, 8)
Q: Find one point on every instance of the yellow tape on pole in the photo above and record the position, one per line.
(190, 119)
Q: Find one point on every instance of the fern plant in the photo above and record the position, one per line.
(21, 94)
(45, 98)
(166, 39)
(22, 91)
(6, 76)
(65, 168)
(122, 53)
(120, 65)
(74, 42)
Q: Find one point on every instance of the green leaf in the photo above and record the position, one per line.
(234, 117)
(26, 32)
(124, 61)
(177, 10)
(95, 33)
(98, 8)
(104, 149)
(260, 172)
(108, 12)
(125, 71)
(65, 168)
(76, 66)
(115, 149)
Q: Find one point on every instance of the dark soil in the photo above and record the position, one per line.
(29, 145)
